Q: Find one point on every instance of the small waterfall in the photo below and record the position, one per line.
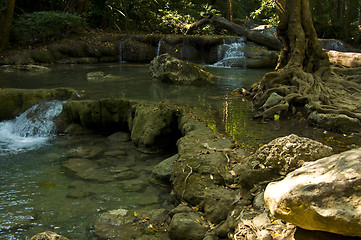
(121, 52)
(31, 129)
(230, 53)
(159, 46)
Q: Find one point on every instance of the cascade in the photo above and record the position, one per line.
(31, 129)
(121, 52)
(159, 46)
(231, 54)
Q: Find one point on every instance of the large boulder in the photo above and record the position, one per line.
(279, 157)
(323, 195)
(173, 70)
(154, 127)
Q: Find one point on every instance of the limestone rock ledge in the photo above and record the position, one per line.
(323, 195)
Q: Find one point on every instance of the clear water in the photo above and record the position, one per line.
(38, 194)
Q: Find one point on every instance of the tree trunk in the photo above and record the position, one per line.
(303, 74)
(229, 15)
(6, 18)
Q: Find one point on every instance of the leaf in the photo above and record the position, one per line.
(276, 117)
(196, 208)
(233, 173)
(135, 214)
(211, 176)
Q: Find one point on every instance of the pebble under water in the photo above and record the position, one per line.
(39, 194)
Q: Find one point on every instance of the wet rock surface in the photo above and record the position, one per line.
(335, 122)
(166, 68)
(322, 195)
(100, 77)
(48, 236)
(16, 101)
(125, 224)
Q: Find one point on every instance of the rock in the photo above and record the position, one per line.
(259, 57)
(170, 69)
(48, 236)
(85, 152)
(286, 154)
(77, 129)
(121, 224)
(323, 195)
(126, 175)
(335, 122)
(187, 226)
(136, 51)
(16, 101)
(272, 100)
(27, 68)
(115, 153)
(99, 77)
(119, 137)
(87, 170)
(79, 189)
(345, 59)
(163, 170)
(337, 45)
(154, 128)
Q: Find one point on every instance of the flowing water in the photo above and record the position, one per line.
(38, 193)
(230, 53)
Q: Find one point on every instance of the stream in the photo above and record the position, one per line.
(38, 194)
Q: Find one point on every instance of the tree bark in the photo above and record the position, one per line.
(229, 15)
(6, 18)
(303, 74)
(221, 23)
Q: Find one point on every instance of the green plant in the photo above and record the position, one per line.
(43, 27)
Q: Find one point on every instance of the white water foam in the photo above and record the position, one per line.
(32, 129)
(231, 54)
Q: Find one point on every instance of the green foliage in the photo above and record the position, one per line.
(44, 26)
(266, 13)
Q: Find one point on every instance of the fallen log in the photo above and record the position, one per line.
(221, 23)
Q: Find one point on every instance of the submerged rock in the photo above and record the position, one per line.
(324, 195)
(170, 69)
(26, 68)
(87, 170)
(99, 77)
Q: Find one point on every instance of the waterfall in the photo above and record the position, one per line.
(31, 129)
(121, 52)
(230, 53)
(159, 46)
